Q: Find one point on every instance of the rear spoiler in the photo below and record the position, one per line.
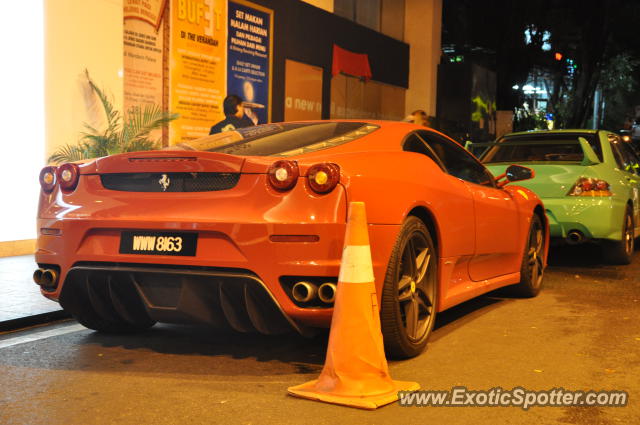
(590, 157)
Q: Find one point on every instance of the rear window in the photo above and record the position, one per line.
(284, 139)
(541, 148)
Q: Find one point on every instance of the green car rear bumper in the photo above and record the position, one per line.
(595, 218)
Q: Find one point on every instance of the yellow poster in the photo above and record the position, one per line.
(143, 41)
(302, 91)
(197, 66)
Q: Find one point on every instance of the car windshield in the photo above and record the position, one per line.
(284, 139)
(554, 147)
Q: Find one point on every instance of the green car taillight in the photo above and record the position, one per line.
(587, 186)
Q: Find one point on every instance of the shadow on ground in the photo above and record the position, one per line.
(586, 255)
(450, 320)
(200, 351)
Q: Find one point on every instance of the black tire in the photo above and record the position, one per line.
(621, 252)
(409, 293)
(532, 268)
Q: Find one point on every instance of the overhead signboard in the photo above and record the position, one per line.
(249, 46)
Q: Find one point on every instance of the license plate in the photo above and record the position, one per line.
(158, 243)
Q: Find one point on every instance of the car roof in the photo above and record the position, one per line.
(552, 132)
(389, 137)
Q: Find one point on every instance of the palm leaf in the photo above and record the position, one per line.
(99, 145)
(131, 136)
(69, 153)
(113, 116)
(140, 145)
(90, 129)
(142, 121)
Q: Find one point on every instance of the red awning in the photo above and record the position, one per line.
(356, 64)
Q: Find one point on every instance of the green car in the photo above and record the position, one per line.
(587, 179)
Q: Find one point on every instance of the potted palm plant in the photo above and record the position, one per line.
(129, 132)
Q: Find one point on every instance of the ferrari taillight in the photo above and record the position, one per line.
(323, 177)
(586, 186)
(68, 175)
(283, 174)
(48, 179)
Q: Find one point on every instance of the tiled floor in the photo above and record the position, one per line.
(19, 295)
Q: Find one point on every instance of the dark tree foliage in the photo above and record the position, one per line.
(593, 33)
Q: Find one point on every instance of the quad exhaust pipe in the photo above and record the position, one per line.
(327, 292)
(304, 292)
(45, 277)
(37, 276)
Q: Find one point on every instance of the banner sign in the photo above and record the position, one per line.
(249, 56)
(198, 67)
(302, 91)
(149, 11)
(216, 48)
(142, 50)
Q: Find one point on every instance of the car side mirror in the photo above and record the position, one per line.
(515, 173)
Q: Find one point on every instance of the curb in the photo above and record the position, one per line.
(36, 319)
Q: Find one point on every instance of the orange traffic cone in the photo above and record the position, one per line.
(355, 372)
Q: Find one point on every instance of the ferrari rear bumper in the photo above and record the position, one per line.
(235, 263)
(219, 298)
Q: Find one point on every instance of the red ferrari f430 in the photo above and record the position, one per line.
(244, 230)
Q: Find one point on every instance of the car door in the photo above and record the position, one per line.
(498, 242)
(452, 204)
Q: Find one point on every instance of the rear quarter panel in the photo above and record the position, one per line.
(393, 183)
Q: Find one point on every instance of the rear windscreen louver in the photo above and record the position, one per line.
(169, 182)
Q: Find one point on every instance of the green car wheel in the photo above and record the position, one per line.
(532, 261)
(621, 252)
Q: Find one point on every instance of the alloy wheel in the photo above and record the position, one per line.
(416, 287)
(536, 254)
(628, 234)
